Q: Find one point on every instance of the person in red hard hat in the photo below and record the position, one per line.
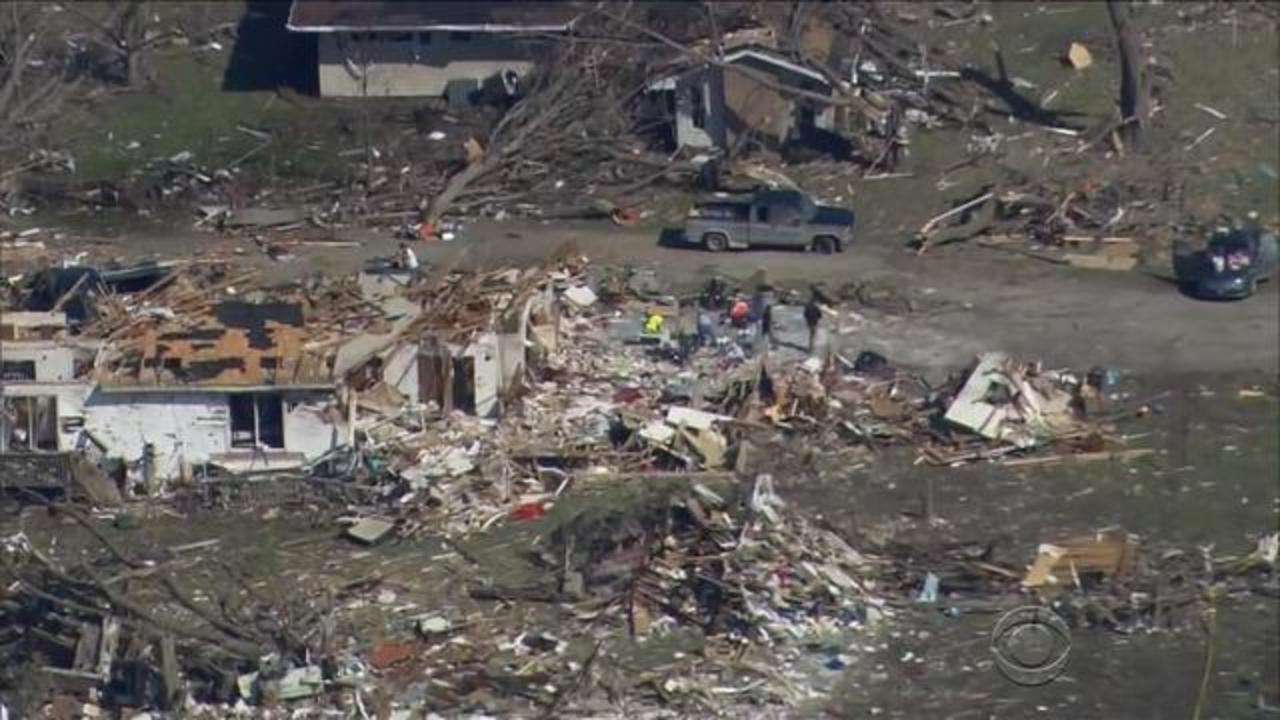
(739, 313)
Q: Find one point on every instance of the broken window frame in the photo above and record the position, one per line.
(18, 370)
(267, 413)
(37, 416)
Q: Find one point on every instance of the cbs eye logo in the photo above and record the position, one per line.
(1031, 645)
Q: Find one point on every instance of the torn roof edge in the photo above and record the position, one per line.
(109, 388)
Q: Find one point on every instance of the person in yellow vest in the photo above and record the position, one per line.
(653, 324)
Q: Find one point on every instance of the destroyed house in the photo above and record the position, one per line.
(237, 388)
(465, 360)
(76, 289)
(426, 48)
(753, 90)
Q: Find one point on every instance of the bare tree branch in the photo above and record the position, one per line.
(33, 77)
(124, 33)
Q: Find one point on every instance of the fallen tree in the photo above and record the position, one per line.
(572, 129)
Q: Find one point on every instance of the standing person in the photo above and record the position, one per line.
(653, 324)
(757, 304)
(706, 329)
(812, 316)
(766, 320)
(738, 313)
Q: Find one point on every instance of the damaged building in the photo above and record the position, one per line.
(42, 382)
(252, 387)
(752, 91)
(471, 371)
(369, 49)
(238, 390)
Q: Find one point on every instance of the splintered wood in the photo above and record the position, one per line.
(1064, 563)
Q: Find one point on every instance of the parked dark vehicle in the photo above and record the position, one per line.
(780, 218)
(1232, 267)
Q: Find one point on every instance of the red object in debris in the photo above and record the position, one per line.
(738, 313)
(627, 395)
(426, 231)
(626, 216)
(388, 654)
(528, 511)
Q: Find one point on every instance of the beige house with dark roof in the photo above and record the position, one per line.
(369, 49)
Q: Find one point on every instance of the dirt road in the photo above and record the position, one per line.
(987, 300)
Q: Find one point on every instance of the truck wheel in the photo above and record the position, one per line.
(824, 245)
(715, 242)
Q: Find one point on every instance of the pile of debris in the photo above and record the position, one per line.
(752, 589)
(447, 405)
(125, 630)
(510, 373)
(1091, 229)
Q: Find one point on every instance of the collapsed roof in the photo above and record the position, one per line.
(237, 345)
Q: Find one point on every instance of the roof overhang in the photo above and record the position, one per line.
(564, 27)
(670, 78)
(218, 389)
(545, 27)
(772, 59)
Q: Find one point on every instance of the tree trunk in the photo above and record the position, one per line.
(133, 35)
(455, 186)
(1135, 92)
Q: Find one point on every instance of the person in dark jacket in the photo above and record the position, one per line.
(766, 322)
(812, 316)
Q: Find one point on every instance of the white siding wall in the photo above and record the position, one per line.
(180, 425)
(511, 350)
(401, 371)
(309, 426)
(484, 350)
(413, 68)
(196, 425)
(54, 362)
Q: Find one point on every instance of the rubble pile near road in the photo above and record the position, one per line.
(519, 373)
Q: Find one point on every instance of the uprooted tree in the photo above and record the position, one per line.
(1135, 87)
(574, 127)
(571, 126)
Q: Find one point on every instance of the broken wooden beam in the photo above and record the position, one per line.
(1065, 458)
